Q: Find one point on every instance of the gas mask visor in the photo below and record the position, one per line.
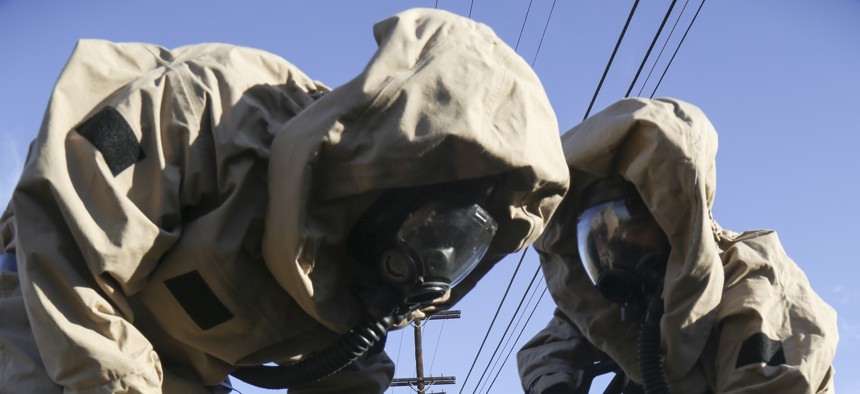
(437, 246)
(623, 249)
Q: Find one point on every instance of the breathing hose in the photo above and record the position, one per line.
(317, 366)
(648, 349)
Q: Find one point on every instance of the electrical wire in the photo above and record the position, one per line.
(545, 26)
(517, 324)
(516, 46)
(508, 327)
(662, 25)
(678, 48)
(399, 347)
(484, 341)
(523, 27)
(523, 255)
(608, 66)
(436, 349)
(518, 338)
(596, 93)
(611, 58)
(665, 43)
(651, 47)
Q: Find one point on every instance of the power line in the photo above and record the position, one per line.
(678, 48)
(665, 43)
(518, 338)
(534, 60)
(519, 37)
(508, 327)
(662, 25)
(523, 27)
(420, 381)
(537, 271)
(436, 349)
(608, 66)
(597, 90)
(611, 58)
(517, 324)
(545, 26)
(523, 255)
(651, 47)
(399, 347)
(516, 312)
(492, 322)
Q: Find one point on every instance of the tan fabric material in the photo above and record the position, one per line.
(720, 287)
(443, 100)
(250, 175)
(21, 368)
(559, 340)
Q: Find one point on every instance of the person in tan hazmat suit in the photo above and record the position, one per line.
(643, 276)
(192, 213)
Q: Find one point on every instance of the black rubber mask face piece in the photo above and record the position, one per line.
(435, 248)
(423, 251)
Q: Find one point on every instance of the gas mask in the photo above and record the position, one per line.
(623, 249)
(419, 243)
(434, 249)
(418, 252)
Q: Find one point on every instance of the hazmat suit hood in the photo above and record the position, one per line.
(442, 100)
(667, 149)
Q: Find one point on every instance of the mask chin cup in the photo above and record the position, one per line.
(617, 286)
(426, 292)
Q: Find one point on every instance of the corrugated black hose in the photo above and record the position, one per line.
(317, 366)
(648, 349)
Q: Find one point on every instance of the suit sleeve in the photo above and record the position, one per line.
(125, 156)
(556, 357)
(775, 334)
(96, 207)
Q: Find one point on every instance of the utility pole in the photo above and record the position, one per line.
(420, 382)
(419, 356)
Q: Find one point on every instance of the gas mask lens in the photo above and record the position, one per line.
(446, 240)
(622, 248)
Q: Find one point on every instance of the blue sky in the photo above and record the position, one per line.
(778, 78)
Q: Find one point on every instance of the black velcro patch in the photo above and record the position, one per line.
(758, 348)
(198, 300)
(109, 132)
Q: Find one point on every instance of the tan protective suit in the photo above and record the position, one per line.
(183, 212)
(734, 303)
